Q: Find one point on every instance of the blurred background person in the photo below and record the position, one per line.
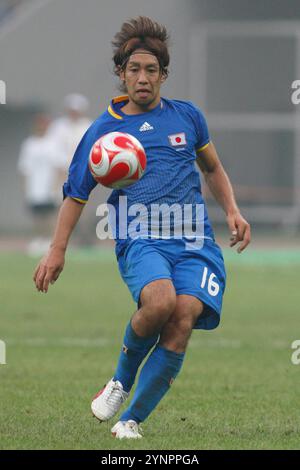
(68, 130)
(40, 164)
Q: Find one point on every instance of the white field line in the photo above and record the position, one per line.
(67, 342)
(71, 342)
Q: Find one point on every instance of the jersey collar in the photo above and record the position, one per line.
(118, 99)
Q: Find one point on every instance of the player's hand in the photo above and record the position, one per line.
(49, 269)
(240, 231)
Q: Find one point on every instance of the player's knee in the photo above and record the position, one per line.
(165, 305)
(160, 309)
(157, 305)
(179, 326)
(159, 299)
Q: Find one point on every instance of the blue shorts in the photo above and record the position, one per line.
(197, 272)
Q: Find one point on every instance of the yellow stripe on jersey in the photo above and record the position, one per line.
(111, 111)
(202, 148)
(120, 98)
(82, 201)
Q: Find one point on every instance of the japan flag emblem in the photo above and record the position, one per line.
(177, 140)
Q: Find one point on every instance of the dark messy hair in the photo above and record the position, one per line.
(141, 33)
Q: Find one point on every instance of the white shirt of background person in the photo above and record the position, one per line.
(40, 162)
(69, 129)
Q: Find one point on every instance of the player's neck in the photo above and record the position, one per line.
(133, 108)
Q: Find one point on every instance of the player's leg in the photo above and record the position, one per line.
(165, 361)
(178, 329)
(158, 301)
(199, 279)
(148, 277)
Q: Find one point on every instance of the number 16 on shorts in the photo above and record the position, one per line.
(209, 282)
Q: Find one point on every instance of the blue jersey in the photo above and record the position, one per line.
(170, 134)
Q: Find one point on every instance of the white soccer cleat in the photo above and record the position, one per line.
(109, 400)
(126, 430)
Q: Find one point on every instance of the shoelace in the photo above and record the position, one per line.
(134, 427)
(115, 395)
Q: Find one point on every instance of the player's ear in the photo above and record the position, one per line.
(121, 73)
(163, 77)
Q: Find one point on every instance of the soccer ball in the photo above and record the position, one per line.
(117, 160)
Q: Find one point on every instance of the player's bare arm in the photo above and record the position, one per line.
(221, 188)
(52, 264)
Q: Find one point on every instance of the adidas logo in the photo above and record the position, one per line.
(146, 127)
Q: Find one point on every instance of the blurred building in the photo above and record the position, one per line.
(235, 59)
(8, 8)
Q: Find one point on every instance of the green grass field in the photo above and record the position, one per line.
(237, 390)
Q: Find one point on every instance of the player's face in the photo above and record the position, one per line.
(143, 79)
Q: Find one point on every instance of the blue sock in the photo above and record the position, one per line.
(134, 350)
(157, 375)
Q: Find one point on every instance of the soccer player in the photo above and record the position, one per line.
(178, 286)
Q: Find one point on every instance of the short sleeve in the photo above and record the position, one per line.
(201, 128)
(80, 181)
